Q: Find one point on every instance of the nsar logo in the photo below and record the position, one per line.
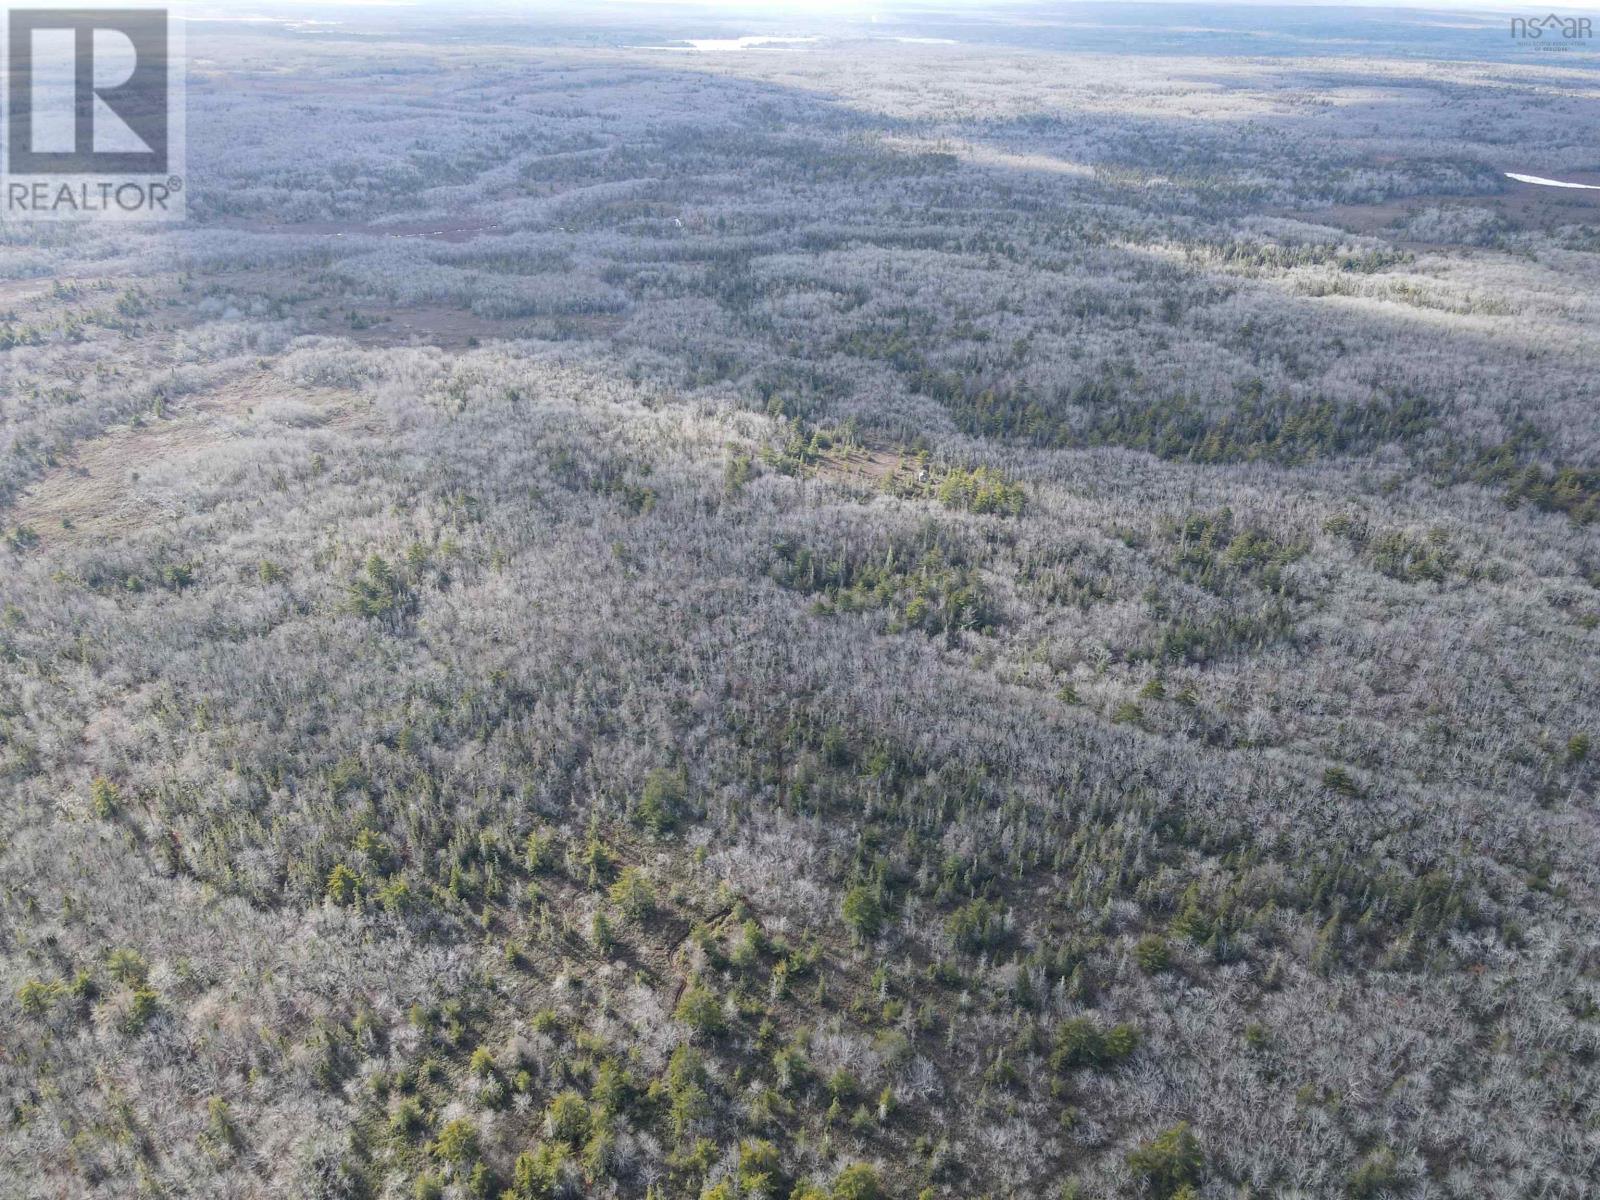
(94, 117)
(1568, 28)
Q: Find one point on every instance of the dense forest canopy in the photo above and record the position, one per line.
(984, 605)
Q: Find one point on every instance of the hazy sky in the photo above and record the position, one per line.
(865, 9)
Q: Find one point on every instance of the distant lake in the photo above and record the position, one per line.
(1555, 183)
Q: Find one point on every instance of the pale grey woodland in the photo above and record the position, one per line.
(945, 617)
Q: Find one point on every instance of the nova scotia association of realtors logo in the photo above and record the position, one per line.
(94, 121)
(1552, 27)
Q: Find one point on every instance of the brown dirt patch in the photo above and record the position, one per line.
(863, 465)
(99, 495)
